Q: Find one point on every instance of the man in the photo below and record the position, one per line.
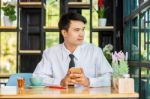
(54, 66)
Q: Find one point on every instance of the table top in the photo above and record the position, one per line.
(78, 92)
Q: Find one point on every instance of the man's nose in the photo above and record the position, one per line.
(82, 33)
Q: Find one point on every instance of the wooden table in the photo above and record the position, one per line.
(80, 92)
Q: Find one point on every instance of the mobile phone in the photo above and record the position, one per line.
(76, 70)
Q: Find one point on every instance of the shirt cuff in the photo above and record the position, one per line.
(56, 81)
(97, 82)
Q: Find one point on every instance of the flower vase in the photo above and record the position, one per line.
(122, 85)
(102, 22)
(7, 21)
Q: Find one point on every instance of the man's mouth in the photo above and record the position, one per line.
(80, 39)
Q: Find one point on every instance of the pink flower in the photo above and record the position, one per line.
(126, 56)
(120, 56)
(114, 58)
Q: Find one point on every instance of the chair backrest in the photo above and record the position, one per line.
(12, 81)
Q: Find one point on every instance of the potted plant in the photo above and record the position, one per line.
(9, 13)
(101, 13)
(119, 64)
(121, 81)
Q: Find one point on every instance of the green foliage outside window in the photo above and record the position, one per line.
(8, 53)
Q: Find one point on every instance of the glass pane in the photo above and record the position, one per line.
(94, 13)
(86, 14)
(52, 13)
(126, 7)
(95, 38)
(52, 38)
(129, 6)
(8, 52)
(126, 39)
(135, 39)
(131, 39)
(145, 82)
(94, 19)
(134, 4)
(145, 25)
(134, 72)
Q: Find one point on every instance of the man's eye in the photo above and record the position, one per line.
(77, 29)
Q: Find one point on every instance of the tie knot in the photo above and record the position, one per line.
(71, 56)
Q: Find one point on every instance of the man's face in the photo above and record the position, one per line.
(75, 34)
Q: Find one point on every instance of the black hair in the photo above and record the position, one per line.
(64, 21)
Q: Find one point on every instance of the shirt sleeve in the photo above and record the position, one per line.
(104, 80)
(103, 71)
(44, 70)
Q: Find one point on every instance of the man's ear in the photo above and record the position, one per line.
(63, 32)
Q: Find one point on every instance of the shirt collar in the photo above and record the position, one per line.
(66, 52)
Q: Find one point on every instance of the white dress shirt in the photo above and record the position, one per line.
(55, 63)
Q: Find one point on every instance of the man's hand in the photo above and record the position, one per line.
(67, 80)
(80, 78)
(75, 78)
